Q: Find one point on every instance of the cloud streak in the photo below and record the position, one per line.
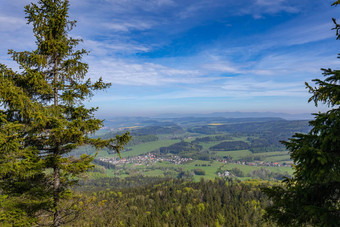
(146, 74)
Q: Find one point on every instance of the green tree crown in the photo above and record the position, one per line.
(43, 118)
(312, 195)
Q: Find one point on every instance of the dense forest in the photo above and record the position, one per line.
(113, 202)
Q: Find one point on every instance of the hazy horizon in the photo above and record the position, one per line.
(236, 114)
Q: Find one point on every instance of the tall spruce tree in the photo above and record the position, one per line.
(312, 196)
(42, 119)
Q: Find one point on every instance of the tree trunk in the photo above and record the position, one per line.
(56, 186)
(56, 169)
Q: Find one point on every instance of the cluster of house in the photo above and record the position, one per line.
(224, 174)
(146, 159)
(274, 164)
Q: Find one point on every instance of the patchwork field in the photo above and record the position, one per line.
(191, 148)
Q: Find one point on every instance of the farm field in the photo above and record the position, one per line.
(147, 147)
(193, 149)
(236, 155)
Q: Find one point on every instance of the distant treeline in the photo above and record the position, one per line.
(105, 164)
(230, 146)
(248, 128)
(135, 140)
(270, 133)
(157, 130)
(254, 145)
(213, 138)
(195, 151)
(181, 147)
(261, 173)
(148, 130)
(185, 150)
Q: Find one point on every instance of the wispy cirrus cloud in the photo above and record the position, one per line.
(106, 49)
(299, 33)
(126, 26)
(144, 74)
(234, 88)
(126, 6)
(11, 23)
(224, 67)
(259, 8)
(244, 86)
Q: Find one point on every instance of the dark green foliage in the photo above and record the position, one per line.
(117, 183)
(268, 133)
(272, 132)
(135, 139)
(107, 165)
(263, 145)
(253, 157)
(142, 139)
(187, 175)
(266, 174)
(177, 203)
(180, 148)
(42, 119)
(312, 196)
(186, 150)
(203, 130)
(237, 172)
(200, 172)
(230, 146)
(213, 138)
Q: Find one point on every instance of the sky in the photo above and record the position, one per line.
(194, 56)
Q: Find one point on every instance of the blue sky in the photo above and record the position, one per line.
(202, 56)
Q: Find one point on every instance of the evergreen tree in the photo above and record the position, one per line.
(42, 118)
(312, 196)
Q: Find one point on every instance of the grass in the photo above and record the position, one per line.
(280, 158)
(277, 156)
(210, 168)
(210, 171)
(207, 145)
(147, 147)
(154, 173)
(273, 153)
(247, 169)
(234, 154)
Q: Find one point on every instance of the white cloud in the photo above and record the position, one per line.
(140, 74)
(125, 26)
(10, 23)
(128, 6)
(261, 7)
(301, 34)
(237, 88)
(292, 65)
(103, 48)
(224, 67)
(194, 8)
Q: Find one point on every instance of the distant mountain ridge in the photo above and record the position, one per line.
(286, 116)
(204, 119)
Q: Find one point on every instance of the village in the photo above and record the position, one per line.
(150, 158)
(147, 159)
